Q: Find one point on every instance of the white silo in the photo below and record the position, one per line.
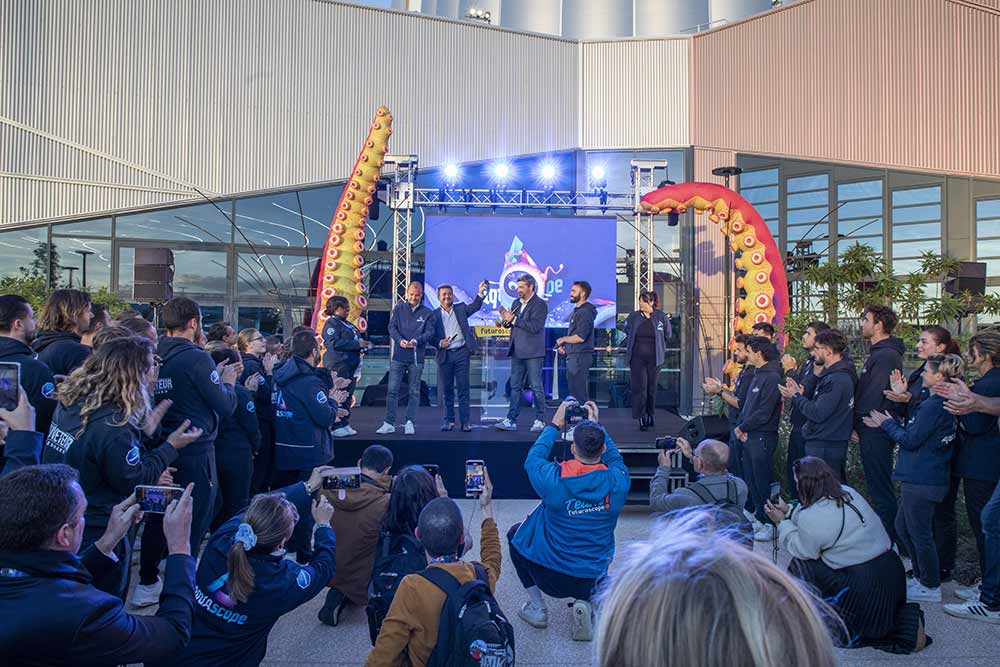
(544, 16)
(654, 18)
(735, 10)
(596, 19)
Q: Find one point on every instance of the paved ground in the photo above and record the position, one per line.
(300, 639)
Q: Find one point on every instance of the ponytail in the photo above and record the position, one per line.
(268, 522)
(943, 337)
(242, 579)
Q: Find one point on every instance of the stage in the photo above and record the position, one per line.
(503, 451)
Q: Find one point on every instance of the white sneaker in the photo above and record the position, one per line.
(350, 430)
(974, 610)
(917, 592)
(537, 616)
(763, 534)
(970, 594)
(583, 621)
(342, 432)
(385, 429)
(537, 426)
(147, 595)
(505, 425)
(408, 428)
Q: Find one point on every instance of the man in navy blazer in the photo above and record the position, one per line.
(456, 344)
(526, 322)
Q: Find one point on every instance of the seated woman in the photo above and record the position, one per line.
(839, 546)
(244, 582)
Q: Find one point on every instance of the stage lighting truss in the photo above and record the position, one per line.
(501, 198)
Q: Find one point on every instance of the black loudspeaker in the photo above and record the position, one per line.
(968, 277)
(153, 275)
(708, 426)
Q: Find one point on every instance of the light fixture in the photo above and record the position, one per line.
(598, 177)
(501, 171)
(451, 173)
(598, 173)
(548, 172)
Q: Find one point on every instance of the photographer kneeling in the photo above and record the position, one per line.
(839, 546)
(715, 484)
(567, 542)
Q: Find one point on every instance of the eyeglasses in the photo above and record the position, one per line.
(254, 340)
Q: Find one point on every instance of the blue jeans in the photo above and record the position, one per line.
(876, 459)
(758, 463)
(454, 370)
(530, 370)
(915, 527)
(397, 371)
(990, 595)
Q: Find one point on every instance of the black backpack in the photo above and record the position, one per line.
(729, 515)
(395, 557)
(472, 631)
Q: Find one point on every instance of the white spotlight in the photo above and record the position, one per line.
(548, 172)
(598, 173)
(501, 170)
(451, 173)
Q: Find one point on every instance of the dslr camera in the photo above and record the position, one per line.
(575, 412)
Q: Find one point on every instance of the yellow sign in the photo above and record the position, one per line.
(492, 332)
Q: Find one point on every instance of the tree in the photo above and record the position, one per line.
(45, 265)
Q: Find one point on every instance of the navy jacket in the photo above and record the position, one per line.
(342, 341)
(527, 334)
(808, 379)
(740, 391)
(240, 432)
(978, 455)
(462, 312)
(36, 379)
(761, 411)
(661, 323)
(53, 615)
(303, 415)
(61, 351)
(926, 444)
(231, 633)
(828, 413)
(406, 323)
(581, 323)
(23, 448)
(885, 357)
(110, 458)
(189, 378)
(262, 397)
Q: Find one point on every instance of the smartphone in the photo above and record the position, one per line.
(10, 385)
(343, 478)
(775, 492)
(432, 468)
(475, 475)
(666, 442)
(155, 499)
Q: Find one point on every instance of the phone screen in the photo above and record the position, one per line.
(155, 499)
(432, 468)
(343, 478)
(10, 385)
(775, 492)
(474, 477)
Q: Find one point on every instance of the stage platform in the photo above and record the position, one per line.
(503, 451)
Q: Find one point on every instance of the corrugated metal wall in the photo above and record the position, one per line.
(239, 95)
(634, 93)
(912, 84)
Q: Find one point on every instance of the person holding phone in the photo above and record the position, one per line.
(411, 329)
(17, 331)
(456, 343)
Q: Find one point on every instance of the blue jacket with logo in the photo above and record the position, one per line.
(61, 351)
(240, 432)
(573, 529)
(808, 379)
(978, 455)
(262, 397)
(761, 411)
(226, 632)
(828, 413)
(740, 390)
(926, 444)
(189, 378)
(303, 415)
(342, 342)
(36, 379)
(407, 323)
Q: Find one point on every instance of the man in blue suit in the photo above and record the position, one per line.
(456, 344)
(526, 322)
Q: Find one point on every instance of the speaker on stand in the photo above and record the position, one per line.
(153, 278)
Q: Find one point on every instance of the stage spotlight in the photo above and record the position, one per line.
(451, 174)
(598, 173)
(501, 171)
(548, 172)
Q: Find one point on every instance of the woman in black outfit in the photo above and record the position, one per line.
(648, 330)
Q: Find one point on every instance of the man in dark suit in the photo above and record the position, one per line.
(456, 344)
(527, 352)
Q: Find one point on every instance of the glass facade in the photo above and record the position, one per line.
(760, 188)
(916, 227)
(860, 215)
(988, 235)
(807, 209)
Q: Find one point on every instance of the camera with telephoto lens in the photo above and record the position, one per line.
(677, 478)
(575, 413)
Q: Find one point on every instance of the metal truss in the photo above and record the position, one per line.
(644, 180)
(597, 200)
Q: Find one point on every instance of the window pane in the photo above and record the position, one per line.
(773, 226)
(859, 190)
(906, 266)
(866, 208)
(319, 206)
(99, 227)
(766, 194)
(916, 213)
(195, 271)
(810, 215)
(276, 221)
(796, 232)
(81, 262)
(916, 232)
(767, 211)
(988, 208)
(916, 248)
(266, 320)
(992, 267)
(24, 250)
(808, 199)
(875, 243)
(930, 195)
(800, 183)
(860, 226)
(210, 315)
(988, 228)
(202, 223)
(988, 248)
(291, 273)
(758, 177)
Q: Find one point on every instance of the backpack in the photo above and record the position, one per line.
(395, 557)
(472, 631)
(729, 515)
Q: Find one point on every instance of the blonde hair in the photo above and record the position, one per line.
(948, 365)
(244, 338)
(272, 518)
(63, 309)
(115, 374)
(691, 596)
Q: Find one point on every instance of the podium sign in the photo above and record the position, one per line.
(493, 341)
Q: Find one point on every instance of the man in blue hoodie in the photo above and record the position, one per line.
(199, 391)
(567, 542)
(411, 328)
(734, 397)
(65, 318)
(807, 377)
(885, 356)
(17, 330)
(757, 428)
(828, 410)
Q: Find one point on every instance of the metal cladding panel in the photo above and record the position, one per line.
(241, 95)
(912, 84)
(634, 93)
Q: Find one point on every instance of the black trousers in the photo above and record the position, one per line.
(833, 453)
(453, 372)
(578, 375)
(796, 450)
(643, 373)
(552, 583)
(977, 493)
(758, 469)
(235, 468)
(345, 371)
(263, 461)
(876, 458)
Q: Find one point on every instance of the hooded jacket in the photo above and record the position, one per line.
(262, 397)
(109, 457)
(36, 379)
(926, 444)
(581, 323)
(53, 615)
(356, 523)
(978, 455)
(342, 343)
(828, 414)
(303, 415)
(189, 378)
(61, 351)
(227, 632)
(572, 530)
(808, 379)
(740, 390)
(240, 432)
(885, 357)
(761, 411)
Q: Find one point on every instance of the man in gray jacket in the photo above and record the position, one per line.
(710, 460)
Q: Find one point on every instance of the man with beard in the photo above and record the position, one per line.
(17, 330)
(578, 343)
(807, 378)
(733, 398)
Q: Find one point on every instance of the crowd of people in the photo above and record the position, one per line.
(244, 427)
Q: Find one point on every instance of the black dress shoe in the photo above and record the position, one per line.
(447, 426)
(335, 603)
(642, 423)
(466, 428)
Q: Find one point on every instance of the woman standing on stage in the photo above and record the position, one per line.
(646, 349)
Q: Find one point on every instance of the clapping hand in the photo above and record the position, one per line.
(341, 383)
(166, 477)
(712, 386)
(229, 372)
(875, 419)
(790, 388)
(269, 362)
(788, 363)
(898, 385)
(184, 436)
(252, 383)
